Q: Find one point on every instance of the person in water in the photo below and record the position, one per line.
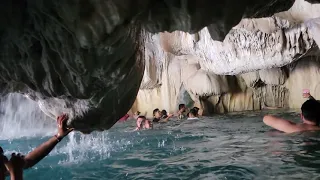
(38, 153)
(143, 123)
(193, 114)
(164, 114)
(310, 116)
(157, 116)
(14, 166)
(306, 94)
(182, 111)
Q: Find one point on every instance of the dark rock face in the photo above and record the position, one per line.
(86, 58)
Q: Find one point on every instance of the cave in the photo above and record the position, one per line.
(97, 60)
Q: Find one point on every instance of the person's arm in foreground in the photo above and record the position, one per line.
(44, 149)
(15, 166)
(280, 124)
(2, 167)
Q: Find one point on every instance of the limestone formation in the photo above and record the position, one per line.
(260, 57)
(89, 58)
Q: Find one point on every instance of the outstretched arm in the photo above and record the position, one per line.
(44, 149)
(280, 124)
(167, 118)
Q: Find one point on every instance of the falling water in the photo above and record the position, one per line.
(21, 117)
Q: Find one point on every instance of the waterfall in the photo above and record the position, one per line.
(21, 117)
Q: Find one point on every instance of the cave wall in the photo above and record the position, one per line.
(89, 58)
(261, 63)
(263, 89)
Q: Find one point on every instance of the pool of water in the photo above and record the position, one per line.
(232, 146)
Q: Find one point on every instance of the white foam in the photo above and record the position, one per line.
(21, 117)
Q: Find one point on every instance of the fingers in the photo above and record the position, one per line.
(61, 120)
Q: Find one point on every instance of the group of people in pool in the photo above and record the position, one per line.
(163, 117)
(310, 116)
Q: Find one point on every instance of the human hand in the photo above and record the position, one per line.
(16, 164)
(63, 130)
(170, 115)
(306, 93)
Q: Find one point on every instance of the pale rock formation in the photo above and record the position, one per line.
(89, 58)
(258, 54)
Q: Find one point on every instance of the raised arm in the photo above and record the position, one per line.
(280, 124)
(44, 149)
(167, 118)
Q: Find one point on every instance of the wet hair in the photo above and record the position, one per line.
(164, 112)
(181, 106)
(155, 111)
(311, 110)
(142, 117)
(196, 109)
(193, 111)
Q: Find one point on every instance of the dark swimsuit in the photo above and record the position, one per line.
(156, 119)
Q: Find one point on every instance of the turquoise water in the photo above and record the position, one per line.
(233, 146)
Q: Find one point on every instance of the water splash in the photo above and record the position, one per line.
(21, 117)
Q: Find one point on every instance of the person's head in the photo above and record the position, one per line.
(310, 112)
(192, 113)
(197, 110)
(182, 107)
(157, 113)
(164, 113)
(140, 121)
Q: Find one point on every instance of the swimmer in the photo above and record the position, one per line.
(143, 123)
(310, 116)
(44, 149)
(192, 115)
(306, 94)
(157, 116)
(15, 166)
(164, 114)
(182, 111)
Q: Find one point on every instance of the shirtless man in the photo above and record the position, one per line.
(310, 116)
(38, 153)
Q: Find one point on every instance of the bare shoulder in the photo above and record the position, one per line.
(281, 124)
